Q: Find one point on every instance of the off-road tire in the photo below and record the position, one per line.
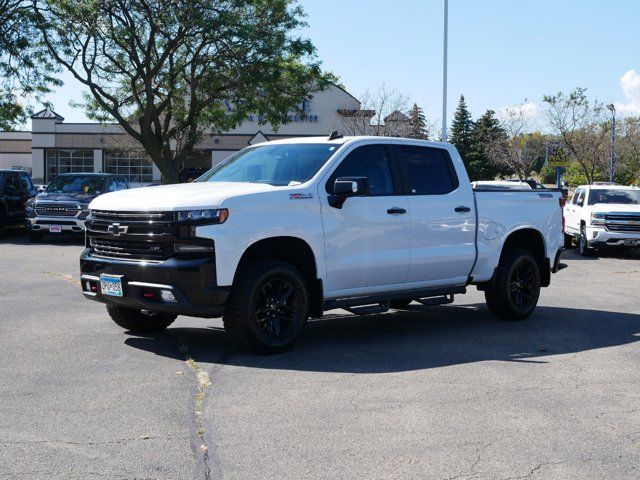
(136, 321)
(246, 303)
(502, 295)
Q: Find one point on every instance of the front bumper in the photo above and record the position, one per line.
(66, 224)
(599, 237)
(191, 281)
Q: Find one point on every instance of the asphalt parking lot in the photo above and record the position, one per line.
(439, 393)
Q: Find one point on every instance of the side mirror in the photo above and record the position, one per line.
(345, 187)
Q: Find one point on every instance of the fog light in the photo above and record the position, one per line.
(594, 235)
(167, 296)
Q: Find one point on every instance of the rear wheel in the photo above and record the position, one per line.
(140, 321)
(268, 306)
(516, 288)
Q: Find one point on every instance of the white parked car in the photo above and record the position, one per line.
(602, 216)
(285, 230)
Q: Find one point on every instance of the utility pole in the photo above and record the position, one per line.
(444, 71)
(612, 166)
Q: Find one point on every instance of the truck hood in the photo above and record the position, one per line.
(79, 197)
(182, 196)
(615, 207)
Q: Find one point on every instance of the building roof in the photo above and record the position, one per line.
(47, 114)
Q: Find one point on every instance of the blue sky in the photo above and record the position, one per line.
(500, 52)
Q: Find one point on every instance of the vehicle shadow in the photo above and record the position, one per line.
(421, 339)
(19, 236)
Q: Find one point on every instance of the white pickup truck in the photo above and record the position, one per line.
(603, 216)
(286, 230)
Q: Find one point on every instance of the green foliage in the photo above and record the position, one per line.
(169, 70)
(485, 130)
(26, 71)
(417, 123)
(462, 130)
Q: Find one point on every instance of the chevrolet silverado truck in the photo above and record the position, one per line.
(603, 216)
(286, 230)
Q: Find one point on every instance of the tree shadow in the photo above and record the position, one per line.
(416, 340)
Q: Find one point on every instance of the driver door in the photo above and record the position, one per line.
(367, 240)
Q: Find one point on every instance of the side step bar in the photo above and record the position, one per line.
(373, 304)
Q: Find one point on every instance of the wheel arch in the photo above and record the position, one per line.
(296, 251)
(532, 240)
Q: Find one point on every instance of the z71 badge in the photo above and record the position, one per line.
(300, 196)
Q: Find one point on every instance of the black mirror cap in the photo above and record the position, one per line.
(351, 186)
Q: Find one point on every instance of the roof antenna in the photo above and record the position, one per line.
(334, 135)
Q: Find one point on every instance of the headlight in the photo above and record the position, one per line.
(218, 215)
(598, 219)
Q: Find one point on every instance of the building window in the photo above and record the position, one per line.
(135, 166)
(68, 161)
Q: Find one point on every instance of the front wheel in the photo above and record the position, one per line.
(140, 321)
(268, 306)
(516, 288)
(583, 245)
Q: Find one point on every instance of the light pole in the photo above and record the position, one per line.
(612, 167)
(444, 71)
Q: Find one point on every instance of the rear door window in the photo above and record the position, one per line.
(25, 181)
(429, 171)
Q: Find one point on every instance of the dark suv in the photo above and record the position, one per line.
(64, 205)
(16, 189)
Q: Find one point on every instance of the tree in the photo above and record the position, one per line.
(519, 150)
(462, 130)
(628, 151)
(417, 124)
(26, 71)
(382, 113)
(582, 127)
(169, 70)
(486, 130)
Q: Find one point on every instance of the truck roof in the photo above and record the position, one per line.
(350, 139)
(610, 187)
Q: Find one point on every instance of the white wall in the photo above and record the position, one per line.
(8, 160)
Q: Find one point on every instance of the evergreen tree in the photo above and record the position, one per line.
(417, 124)
(462, 130)
(485, 130)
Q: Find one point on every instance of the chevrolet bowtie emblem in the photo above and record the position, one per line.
(116, 229)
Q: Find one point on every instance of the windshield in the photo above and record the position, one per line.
(76, 184)
(601, 195)
(278, 165)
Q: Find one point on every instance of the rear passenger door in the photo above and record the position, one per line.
(443, 221)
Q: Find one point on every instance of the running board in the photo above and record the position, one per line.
(372, 304)
(434, 301)
(368, 309)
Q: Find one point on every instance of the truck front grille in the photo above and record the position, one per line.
(132, 250)
(56, 209)
(622, 222)
(131, 235)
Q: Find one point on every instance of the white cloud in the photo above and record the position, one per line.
(526, 110)
(630, 83)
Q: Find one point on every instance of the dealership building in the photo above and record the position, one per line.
(54, 146)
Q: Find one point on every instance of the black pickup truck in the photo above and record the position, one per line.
(16, 189)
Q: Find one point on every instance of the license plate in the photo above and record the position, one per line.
(111, 285)
(55, 229)
(631, 243)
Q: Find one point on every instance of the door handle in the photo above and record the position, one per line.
(462, 208)
(396, 211)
